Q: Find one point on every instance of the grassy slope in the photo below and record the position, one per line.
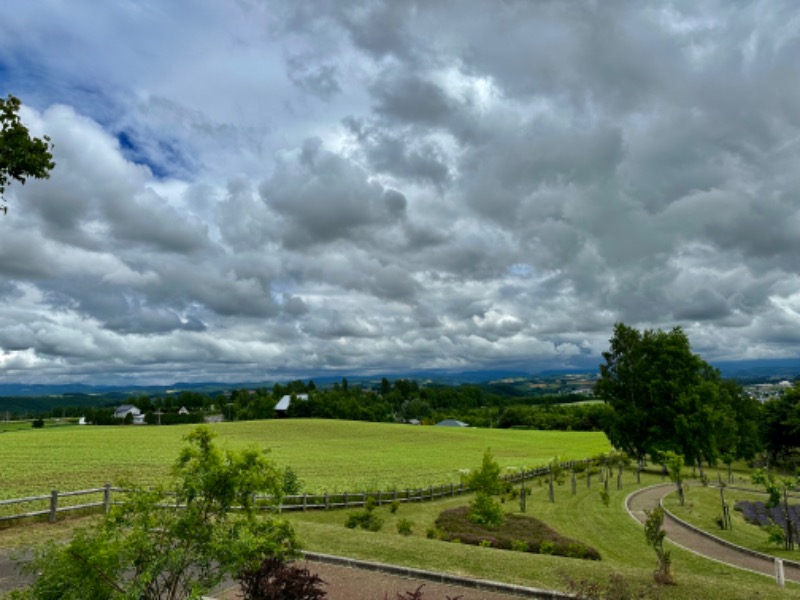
(619, 539)
(328, 455)
(335, 454)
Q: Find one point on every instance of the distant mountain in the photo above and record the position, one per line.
(760, 370)
(745, 371)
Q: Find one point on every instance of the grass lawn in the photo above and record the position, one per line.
(619, 539)
(332, 456)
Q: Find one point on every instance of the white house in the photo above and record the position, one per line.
(129, 409)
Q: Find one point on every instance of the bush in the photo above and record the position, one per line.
(433, 534)
(405, 527)
(775, 535)
(485, 510)
(365, 520)
(519, 546)
(292, 484)
(547, 547)
(394, 506)
(38, 423)
(274, 579)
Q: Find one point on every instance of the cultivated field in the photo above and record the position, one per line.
(327, 455)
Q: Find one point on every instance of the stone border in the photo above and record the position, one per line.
(444, 578)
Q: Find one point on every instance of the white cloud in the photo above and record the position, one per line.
(290, 186)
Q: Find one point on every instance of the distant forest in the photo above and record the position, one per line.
(516, 403)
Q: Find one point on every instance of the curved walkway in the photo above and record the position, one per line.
(702, 543)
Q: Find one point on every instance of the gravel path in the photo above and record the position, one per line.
(704, 545)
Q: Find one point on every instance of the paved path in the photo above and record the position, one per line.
(704, 545)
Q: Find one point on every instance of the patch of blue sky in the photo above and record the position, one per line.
(164, 158)
(520, 270)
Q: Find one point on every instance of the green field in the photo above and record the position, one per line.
(332, 456)
(338, 455)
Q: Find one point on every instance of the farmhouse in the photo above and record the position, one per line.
(129, 409)
(283, 404)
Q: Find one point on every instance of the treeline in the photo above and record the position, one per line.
(405, 400)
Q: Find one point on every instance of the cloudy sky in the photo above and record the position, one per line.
(252, 189)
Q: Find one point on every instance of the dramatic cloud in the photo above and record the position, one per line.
(283, 187)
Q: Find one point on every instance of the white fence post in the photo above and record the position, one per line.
(779, 576)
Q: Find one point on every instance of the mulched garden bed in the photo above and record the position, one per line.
(517, 532)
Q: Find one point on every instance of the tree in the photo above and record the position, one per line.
(485, 482)
(663, 396)
(654, 534)
(176, 542)
(782, 423)
(21, 156)
(674, 464)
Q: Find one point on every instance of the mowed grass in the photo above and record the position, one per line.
(332, 456)
(609, 529)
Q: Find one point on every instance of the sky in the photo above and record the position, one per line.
(248, 190)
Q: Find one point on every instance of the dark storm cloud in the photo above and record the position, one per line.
(324, 197)
(397, 155)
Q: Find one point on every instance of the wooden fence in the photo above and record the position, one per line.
(56, 502)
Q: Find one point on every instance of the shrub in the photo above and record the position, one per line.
(394, 506)
(365, 519)
(292, 484)
(485, 543)
(604, 496)
(38, 423)
(519, 546)
(405, 527)
(274, 579)
(485, 510)
(775, 534)
(547, 547)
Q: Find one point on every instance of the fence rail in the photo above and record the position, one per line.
(327, 501)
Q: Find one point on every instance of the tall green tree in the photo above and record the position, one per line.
(781, 423)
(663, 396)
(21, 155)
